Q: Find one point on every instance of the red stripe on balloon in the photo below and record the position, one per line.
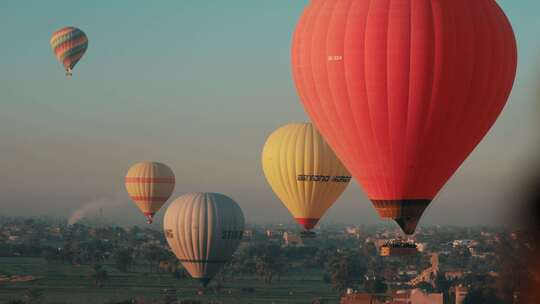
(151, 199)
(307, 223)
(150, 180)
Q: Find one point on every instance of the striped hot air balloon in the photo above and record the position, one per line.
(69, 45)
(149, 184)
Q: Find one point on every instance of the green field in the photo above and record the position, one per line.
(63, 283)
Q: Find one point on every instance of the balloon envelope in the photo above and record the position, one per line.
(149, 184)
(303, 171)
(69, 45)
(403, 91)
(203, 230)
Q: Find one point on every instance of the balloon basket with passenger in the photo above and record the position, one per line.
(398, 248)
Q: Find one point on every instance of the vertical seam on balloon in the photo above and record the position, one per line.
(290, 139)
(321, 103)
(145, 189)
(309, 140)
(430, 158)
(381, 165)
(314, 36)
(300, 136)
(374, 165)
(339, 140)
(176, 239)
(308, 26)
(335, 125)
(291, 163)
(365, 155)
(405, 161)
(203, 231)
(324, 192)
(421, 171)
(413, 148)
(189, 225)
(298, 69)
(200, 210)
(320, 192)
(461, 115)
(334, 190)
(275, 173)
(278, 167)
(284, 170)
(508, 52)
(136, 186)
(319, 196)
(498, 96)
(315, 99)
(391, 181)
(202, 214)
(473, 139)
(184, 222)
(308, 157)
(185, 213)
(214, 222)
(231, 225)
(336, 109)
(306, 100)
(154, 172)
(446, 136)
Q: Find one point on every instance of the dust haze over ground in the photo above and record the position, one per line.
(94, 207)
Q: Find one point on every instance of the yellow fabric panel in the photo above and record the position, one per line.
(149, 184)
(303, 170)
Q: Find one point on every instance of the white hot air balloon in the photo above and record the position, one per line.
(203, 230)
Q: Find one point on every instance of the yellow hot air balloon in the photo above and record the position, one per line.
(203, 230)
(303, 171)
(149, 184)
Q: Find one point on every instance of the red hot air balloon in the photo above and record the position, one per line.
(403, 90)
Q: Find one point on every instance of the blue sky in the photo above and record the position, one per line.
(199, 85)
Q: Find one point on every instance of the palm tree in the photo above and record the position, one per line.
(346, 270)
(34, 296)
(99, 275)
(265, 268)
(123, 259)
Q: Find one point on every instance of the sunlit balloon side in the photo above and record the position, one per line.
(403, 91)
(303, 171)
(149, 184)
(69, 45)
(203, 230)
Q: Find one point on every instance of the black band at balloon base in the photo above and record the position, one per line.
(204, 281)
(406, 212)
(306, 234)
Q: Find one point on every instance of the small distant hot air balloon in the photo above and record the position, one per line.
(203, 230)
(303, 171)
(149, 184)
(403, 91)
(69, 44)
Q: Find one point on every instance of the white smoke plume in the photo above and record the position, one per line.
(94, 206)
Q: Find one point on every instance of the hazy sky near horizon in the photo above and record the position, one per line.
(199, 85)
